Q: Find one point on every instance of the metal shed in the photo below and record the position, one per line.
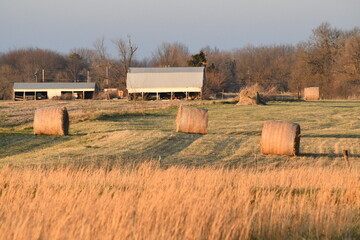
(166, 83)
(38, 91)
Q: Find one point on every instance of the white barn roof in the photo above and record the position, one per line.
(166, 69)
(53, 85)
(169, 79)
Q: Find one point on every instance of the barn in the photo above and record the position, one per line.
(165, 83)
(50, 90)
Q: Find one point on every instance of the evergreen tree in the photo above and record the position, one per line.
(197, 60)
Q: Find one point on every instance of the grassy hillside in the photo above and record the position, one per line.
(118, 132)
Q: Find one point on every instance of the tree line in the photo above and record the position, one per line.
(329, 59)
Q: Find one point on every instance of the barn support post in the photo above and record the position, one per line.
(187, 95)
(142, 95)
(83, 96)
(171, 96)
(24, 95)
(157, 96)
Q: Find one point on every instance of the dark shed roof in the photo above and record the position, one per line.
(55, 85)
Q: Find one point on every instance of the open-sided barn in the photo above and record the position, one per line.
(37, 91)
(166, 83)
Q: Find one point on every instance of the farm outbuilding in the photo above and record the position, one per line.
(38, 91)
(166, 83)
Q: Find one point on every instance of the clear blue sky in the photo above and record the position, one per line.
(62, 25)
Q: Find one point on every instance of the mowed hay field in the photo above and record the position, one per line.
(121, 131)
(124, 173)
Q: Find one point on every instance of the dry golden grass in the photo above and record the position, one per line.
(147, 202)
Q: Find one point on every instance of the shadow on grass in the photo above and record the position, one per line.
(15, 143)
(332, 155)
(337, 102)
(166, 147)
(119, 117)
(332, 136)
(159, 152)
(13, 124)
(245, 133)
(232, 102)
(274, 101)
(339, 106)
(140, 121)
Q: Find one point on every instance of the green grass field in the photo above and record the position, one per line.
(118, 132)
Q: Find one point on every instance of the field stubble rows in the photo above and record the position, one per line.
(123, 131)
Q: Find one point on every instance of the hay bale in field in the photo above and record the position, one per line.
(192, 120)
(250, 96)
(51, 121)
(280, 138)
(120, 93)
(311, 93)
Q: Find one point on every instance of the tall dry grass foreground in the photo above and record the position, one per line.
(178, 203)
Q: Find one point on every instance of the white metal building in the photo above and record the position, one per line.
(166, 83)
(37, 91)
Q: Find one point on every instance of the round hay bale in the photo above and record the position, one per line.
(192, 120)
(280, 138)
(51, 121)
(311, 93)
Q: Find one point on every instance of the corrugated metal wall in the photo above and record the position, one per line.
(165, 80)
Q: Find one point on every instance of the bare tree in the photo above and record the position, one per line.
(215, 81)
(100, 49)
(103, 68)
(75, 66)
(126, 50)
(269, 66)
(22, 64)
(223, 66)
(317, 58)
(7, 75)
(170, 55)
(347, 70)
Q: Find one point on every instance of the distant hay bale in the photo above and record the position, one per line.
(192, 120)
(311, 93)
(120, 93)
(280, 138)
(51, 121)
(250, 96)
